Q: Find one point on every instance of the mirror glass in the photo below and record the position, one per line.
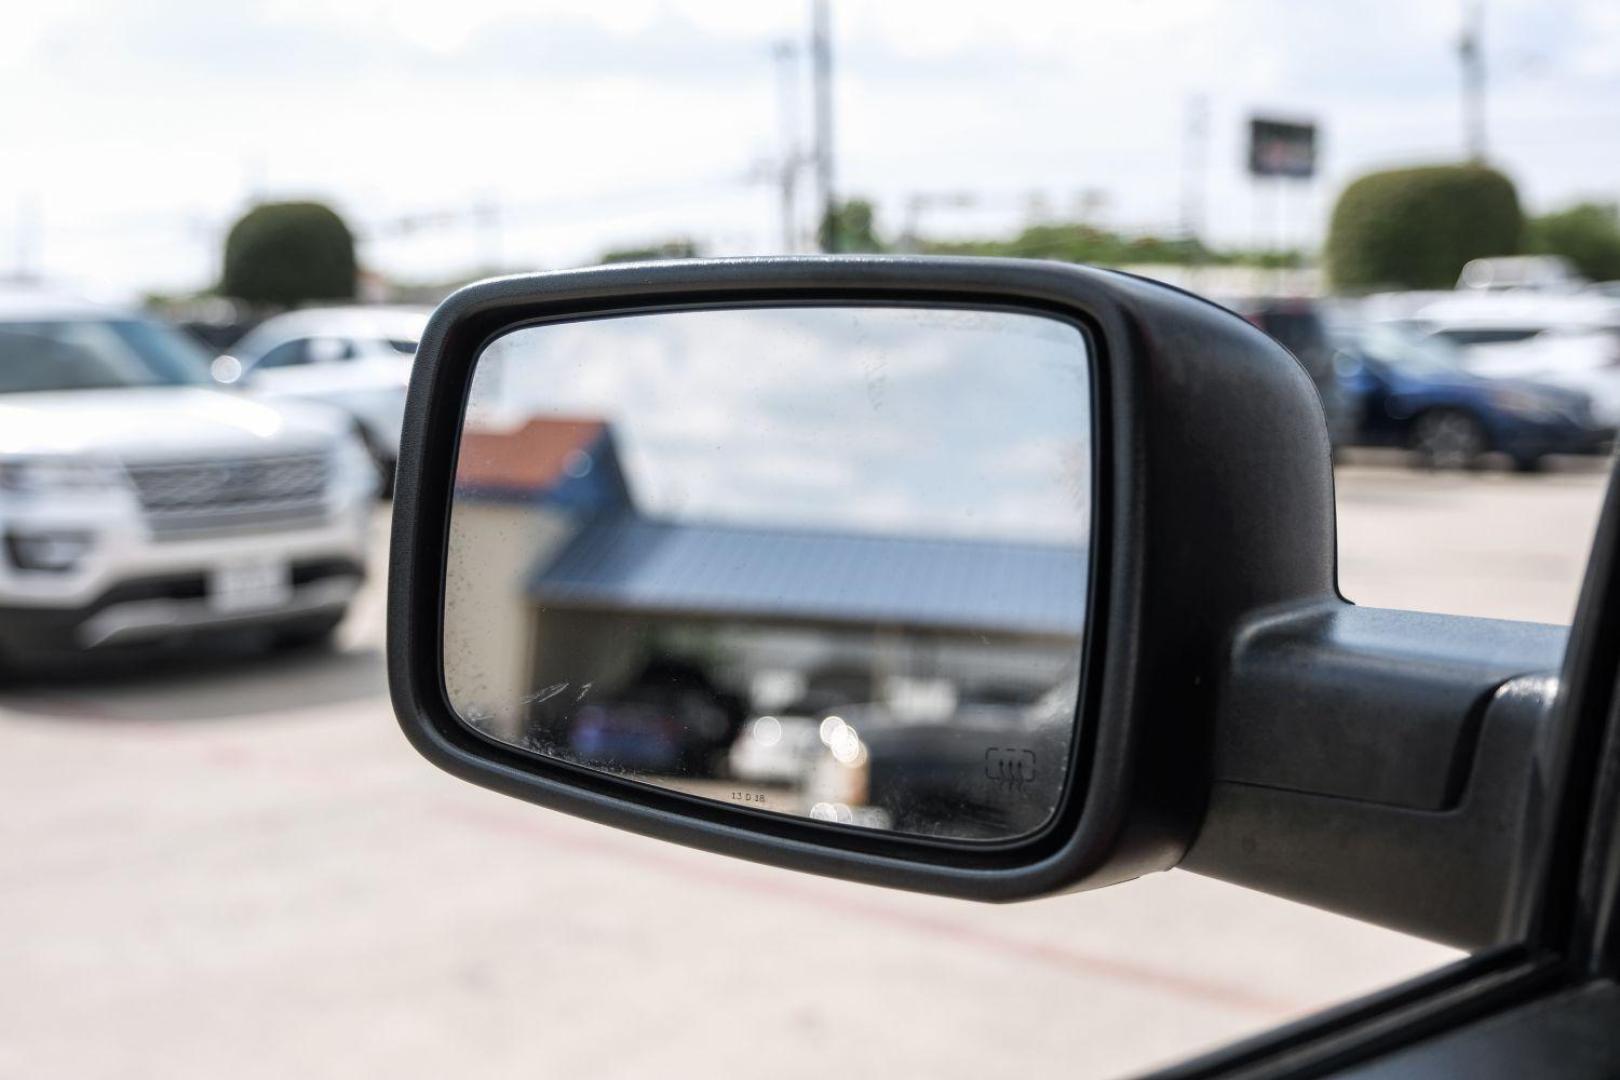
(821, 561)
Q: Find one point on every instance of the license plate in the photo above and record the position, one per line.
(250, 586)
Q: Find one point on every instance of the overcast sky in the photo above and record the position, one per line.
(132, 132)
(831, 418)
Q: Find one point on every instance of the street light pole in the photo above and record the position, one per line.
(1471, 55)
(1194, 165)
(821, 66)
(787, 178)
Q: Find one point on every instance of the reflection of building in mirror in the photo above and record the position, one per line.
(912, 682)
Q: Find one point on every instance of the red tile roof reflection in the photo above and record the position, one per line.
(527, 458)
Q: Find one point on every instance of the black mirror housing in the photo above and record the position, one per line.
(1213, 501)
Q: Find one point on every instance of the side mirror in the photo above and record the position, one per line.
(912, 571)
(987, 578)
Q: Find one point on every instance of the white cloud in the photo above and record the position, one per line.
(145, 127)
(918, 421)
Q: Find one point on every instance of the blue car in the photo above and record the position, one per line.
(1412, 391)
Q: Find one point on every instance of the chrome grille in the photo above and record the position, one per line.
(197, 498)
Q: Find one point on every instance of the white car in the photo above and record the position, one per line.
(1567, 340)
(357, 358)
(776, 749)
(1500, 273)
(138, 501)
(1579, 359)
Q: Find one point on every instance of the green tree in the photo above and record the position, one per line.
(680, 248)
(1587, 234)
(1415, 228)
(289, 253)
(1080, 243)
(850, 227)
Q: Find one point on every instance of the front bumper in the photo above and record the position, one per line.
(1535, 439)
(173, 606)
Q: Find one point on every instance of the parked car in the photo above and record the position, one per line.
(139, 502)
(1560, 339)
(670, 718)
(776, 748)
(1501, 273)
(1587, 360)
(357, 358)
(973, 768)
(1299, 325)
(1413, 391)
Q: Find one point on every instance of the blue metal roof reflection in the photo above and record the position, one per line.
(624, 561)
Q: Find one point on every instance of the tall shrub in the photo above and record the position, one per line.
(1415, 228)
(288, 253)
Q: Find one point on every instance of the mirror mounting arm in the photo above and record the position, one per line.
(1376, 763)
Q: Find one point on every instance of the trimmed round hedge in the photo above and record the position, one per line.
(1415, 228)
(1587, 234)
(289, 253)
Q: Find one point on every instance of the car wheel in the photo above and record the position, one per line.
(385, 476)
(315, 633)
(1529, 463)
(1448, 439)
(385, 470)
(382, 462)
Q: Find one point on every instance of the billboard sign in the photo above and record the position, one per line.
(1282, 148)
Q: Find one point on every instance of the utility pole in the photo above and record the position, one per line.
(29, 237)
(486, 217)
(821, 67)
(254, 179)
(1194, 164)
(1471, 56)
(786, 54)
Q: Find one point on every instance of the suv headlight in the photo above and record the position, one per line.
(55, 551)
(51, 475)
(352, 467)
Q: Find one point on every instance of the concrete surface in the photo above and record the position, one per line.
(238, 868)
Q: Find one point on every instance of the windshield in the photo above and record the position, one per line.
(96, 354)
(1407, 350)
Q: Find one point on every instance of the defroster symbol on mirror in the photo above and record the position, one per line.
(1010, 766)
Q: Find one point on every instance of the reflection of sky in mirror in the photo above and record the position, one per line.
(912, 420)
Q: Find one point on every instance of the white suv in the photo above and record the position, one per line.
(139, 502)
(357, 358)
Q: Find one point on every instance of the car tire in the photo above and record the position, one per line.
(1529, 463)
(380, 461)
(385, 476)
(318, 633)
(385, 470)
(1448, 439)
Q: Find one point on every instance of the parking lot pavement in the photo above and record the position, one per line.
(238, 868)
(1497, 544)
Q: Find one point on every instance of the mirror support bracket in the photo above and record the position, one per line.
(1377, 763)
